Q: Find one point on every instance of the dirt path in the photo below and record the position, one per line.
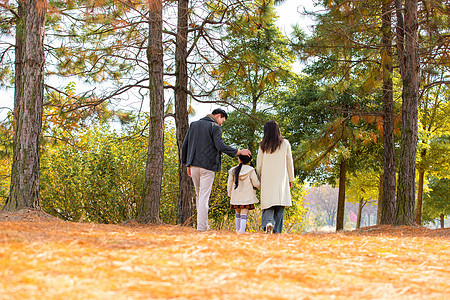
(45, 258)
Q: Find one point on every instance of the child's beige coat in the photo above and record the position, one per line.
(244, 194)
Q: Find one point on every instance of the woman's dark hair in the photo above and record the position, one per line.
(272, 138)
(244, 161)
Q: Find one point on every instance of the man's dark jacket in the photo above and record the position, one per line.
(203, 145)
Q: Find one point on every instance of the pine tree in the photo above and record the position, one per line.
(387, 203)
(28, 105)
(148, 210)
(408, 55)
(185, 204)
(255, 67)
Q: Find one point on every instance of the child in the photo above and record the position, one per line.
(241, 180)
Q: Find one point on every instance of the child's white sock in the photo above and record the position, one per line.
(243, 224)
(238, 222)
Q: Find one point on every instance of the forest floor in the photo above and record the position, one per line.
(42, 257)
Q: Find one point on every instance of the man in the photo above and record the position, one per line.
(201, 152)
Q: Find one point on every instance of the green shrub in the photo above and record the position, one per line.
(101, 179)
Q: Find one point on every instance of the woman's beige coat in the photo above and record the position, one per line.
(244, 194)
(275, 171)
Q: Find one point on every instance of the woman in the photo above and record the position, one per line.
(276, 170)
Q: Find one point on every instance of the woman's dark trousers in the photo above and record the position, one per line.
(274, 215)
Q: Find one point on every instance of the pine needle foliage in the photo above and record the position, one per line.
(255, 68)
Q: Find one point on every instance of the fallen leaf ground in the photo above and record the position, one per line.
(44, 258)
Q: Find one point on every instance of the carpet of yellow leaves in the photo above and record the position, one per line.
(45, 258)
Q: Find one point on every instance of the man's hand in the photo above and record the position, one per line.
(189, 171)
(244, 152)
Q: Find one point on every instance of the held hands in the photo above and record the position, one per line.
(189, 171)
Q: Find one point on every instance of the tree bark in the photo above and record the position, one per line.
(408, 145)
(420, 189)
(148, 211)
(185, 207)
(400, 37)
(441, 219)
(341, 198)
(380, 198)
(387, 213)
(254, 144)
(360, 208)
(420, 197)
(28, 106)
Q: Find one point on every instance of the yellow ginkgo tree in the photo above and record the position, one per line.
(433, 150)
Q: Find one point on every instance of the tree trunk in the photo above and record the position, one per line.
(441, 217)
(420, 197)
(185, 210)
(400, 37)
(380, 198)
(387, 209)
(148, 211)
(330, 217)
(28, 105)
(254, 144)
(360, 208)
(341, 198)
(408, 144)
